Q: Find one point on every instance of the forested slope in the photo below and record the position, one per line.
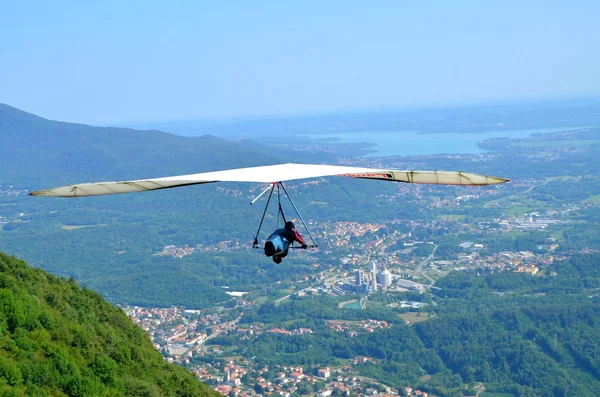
(37, 152)
(522, 335)
(58, 339)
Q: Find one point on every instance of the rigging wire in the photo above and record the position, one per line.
(280, 213)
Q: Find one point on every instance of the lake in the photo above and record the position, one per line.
(407, 143)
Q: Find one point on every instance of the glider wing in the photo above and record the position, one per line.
(270, 174)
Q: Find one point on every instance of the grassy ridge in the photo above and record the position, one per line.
(58, 339)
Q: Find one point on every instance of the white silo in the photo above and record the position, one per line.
(385, 278)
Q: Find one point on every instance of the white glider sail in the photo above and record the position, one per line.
(271, 174)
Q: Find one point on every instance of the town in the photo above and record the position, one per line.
(392, 264)
(387, 259)
(182, 335)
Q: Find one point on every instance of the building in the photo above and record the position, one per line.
(385, 278)
(360, 277)
(324, 373)
(373, 282)
(374, 266)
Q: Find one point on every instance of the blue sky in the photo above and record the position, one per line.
(126, 61)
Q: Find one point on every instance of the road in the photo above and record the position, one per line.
(499, 200)
(228, 326)
(423, 263)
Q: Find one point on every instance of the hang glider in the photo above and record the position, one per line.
(271, 174)
(275, 175)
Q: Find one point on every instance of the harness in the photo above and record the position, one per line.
(280, 213)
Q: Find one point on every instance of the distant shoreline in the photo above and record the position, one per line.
(408, 143)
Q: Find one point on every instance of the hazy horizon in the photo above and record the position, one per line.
(116, 62)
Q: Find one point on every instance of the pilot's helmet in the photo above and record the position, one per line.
(290, 225)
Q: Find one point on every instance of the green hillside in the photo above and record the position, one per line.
(43, 152)
(57, 339)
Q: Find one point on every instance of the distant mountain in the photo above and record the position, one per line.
(59, 339)
(41, 152)
(37, 153)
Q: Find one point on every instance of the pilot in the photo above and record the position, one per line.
(279, 242)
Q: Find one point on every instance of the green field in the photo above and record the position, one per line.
(520, 210)
(595, 199)
(352, 305)
(260, 299)
(451, 217)
(490, 394)
(75, 227)
(414, 317)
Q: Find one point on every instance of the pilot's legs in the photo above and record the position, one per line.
(269, 248)
(277, 247)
